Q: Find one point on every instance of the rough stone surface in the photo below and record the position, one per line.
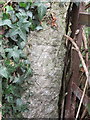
(47, 60)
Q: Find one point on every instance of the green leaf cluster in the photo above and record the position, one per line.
(17, 21)
(41, 8)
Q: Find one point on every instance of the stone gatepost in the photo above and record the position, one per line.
(47, 54)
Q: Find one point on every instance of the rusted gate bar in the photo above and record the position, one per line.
(78, 93)
(74, 68)
(74, 92)
(84, 18)
(71, 74)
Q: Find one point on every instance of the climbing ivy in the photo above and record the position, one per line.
(16, 21)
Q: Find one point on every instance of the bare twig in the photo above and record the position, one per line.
(79, 53)
(86, 83)
(85, 69)
(6, 4)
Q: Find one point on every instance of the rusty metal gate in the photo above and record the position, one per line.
(72, 86)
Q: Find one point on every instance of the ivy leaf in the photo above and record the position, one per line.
(13, 16)
(22, 14)
(19, 102)
(39, 28)
(25, 26)
(5, 16)
(6, 22)
(16, 80)
(20, 28)
(14, 38)
(11, 66)
(26, 62)
(30, 14)
(41, 11)
(9, 90)
(36, 3)
(29, 72)
(2, 52)
(3, 72)
(28, 5)
(22, 34)
(2, 2)
(14, 53)
(21, 44)
(16, 30)
(22, 4)
(12, 32)
(8, 8)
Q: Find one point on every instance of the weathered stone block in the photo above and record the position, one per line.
(47, 60)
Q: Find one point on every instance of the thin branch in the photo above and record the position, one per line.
(6, 4)
(86, 72)
(86, 83)
(79, 53)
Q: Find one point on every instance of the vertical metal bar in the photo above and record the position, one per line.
(74, 17)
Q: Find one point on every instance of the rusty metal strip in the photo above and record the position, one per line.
(78, 93)
(74, 22)
(73, 90)
(84, 18)
(71, 103)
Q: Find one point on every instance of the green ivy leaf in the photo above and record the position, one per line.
(5, 16)
(6, 22)
(22, 34)
(13, 16)
(39, 28)
(20, 28)
(21, 44)
(22, 14)
(14, 53)
(31, 1)
(19, 102)
(30, 14)
(11, 66)
(16, 80)
(9, 89)
(3, 72)
(8, 8)
(28, 5)
(20, 19)
(36, 3)
(2, 2)
(16, 30)
(29, 72)
(2, 52)
(41, 11)
(22, 4)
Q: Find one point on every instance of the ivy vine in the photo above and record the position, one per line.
(16, 21)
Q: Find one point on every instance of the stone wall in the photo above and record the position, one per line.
(47, 60)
